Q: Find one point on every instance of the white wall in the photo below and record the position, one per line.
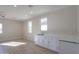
(78, 20)
(61, 22)
(11, 30)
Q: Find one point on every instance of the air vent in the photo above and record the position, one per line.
(2, 14)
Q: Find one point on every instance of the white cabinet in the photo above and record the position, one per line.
(53, 44)
(68, 48)
(49, 42)
(39, 42)
(45, 42)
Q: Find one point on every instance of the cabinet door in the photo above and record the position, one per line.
(67, 48)
(53, 44)
(45, 42)
(37, 39)
(40, 41)
(77, 49)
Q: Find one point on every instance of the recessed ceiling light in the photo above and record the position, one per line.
(31, 12)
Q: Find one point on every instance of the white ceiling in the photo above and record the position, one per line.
(24, 12)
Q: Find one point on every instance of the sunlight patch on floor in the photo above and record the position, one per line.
(13, 43)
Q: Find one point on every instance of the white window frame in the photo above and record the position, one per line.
(44, 26)
(30, 26)
(1, 26)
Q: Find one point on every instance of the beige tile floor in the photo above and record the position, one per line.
(28, 48)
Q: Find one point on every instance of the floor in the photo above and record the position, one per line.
(25, 47)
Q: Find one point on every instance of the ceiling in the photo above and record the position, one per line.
(25, 12)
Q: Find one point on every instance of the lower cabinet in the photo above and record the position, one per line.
(53, 44)
(47, 42)
(68, 48)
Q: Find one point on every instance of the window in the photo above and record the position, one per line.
(30, 26)
(0, 28)
(44, 24)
